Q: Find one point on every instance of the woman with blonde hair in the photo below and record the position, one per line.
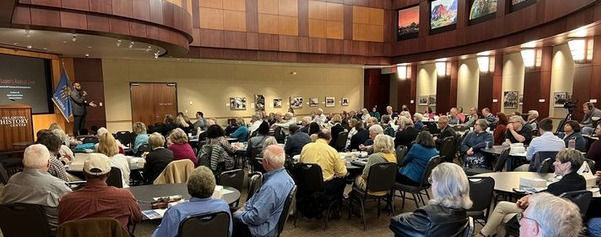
(108, 146)
(383, 152)
(139, 129)
(445, 215)
(178, 143)
(180, 121)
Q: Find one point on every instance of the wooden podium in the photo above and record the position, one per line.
(16, 126)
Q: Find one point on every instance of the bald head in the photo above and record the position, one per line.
(273, 157)
(36, 157)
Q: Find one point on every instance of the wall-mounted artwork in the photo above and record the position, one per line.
(422, 100)
(259, 103)
(521, 100)
(443, 14)
(482, 8)
(408, 23)
(559, 98)
(277, 103)
(510, 99)
(330, 101)
(344, 101)
(238, 103)
(432, 100)
(519, 4)
(296, 102)
(313, 102)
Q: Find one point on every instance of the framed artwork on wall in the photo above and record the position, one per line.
(559, 98)
(330, 101)
(432, 100)
(259, 103)
(277, 103)
(344, 101)
(510, 99)
(422, 100)
(296, 102)
(238, 103)
(521, 100)
(313, 102)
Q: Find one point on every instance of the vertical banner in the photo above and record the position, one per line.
(61, 96)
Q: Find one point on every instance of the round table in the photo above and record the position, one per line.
(145, 193)
(506, 181)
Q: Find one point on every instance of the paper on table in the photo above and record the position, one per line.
(154, 214)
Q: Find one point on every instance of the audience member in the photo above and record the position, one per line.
(500, 129)
(305, 124)
(336, 129)
(445, 130)
(98, 200)
(416, 160)
(373, 132)
(201, 185)
(166, 127)
(257, 141)
(460, 114)
(361, 136)
(157, 159)
(53, 144)
(319, 117)
(178, 143)
(550, 216)
(260, 215)
(255, 122)
(241, 132)
(383, 152)
(453, 118)
(571, 131)
(374, 113)
(446, 212)
(517, 132)
(180, 121)
(590, 112)
(490, 118)
(594, 152)
(201, 122)
(406, 134)
(364, 115)
(296, 141)
(471, 117)
(532, 120)
(286, 122)
(393, 115)
(141, 136)
(34, 185)
(546, 142)
(313, 130)
(108, 146)
(472, 145)
(216, 136)
(386, 126)
(417, 118)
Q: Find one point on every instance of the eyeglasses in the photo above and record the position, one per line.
(521, 216)
(430, 179)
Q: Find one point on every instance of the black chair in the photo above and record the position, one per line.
(232, 178)
(90, 140)
(341, 141)
(481, 193)
(256, 165)
(447, 149)
(460, 128)
(581, 198)
(498, 166)
(381, 178)
(538, 158)
(124, 137)
(470, 228)
(286, 211)
(215, 224)
(422, 189)
(254, 184)
(401, 150)
(13, 215)
(3, 175)
(279, 135)
(591, 164)
(309, 179)
(544, 166)
(143, 148)
(115, 178)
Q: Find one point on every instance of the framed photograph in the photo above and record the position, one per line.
(296, 102)
(521, 100)
(277, 103)
(344, 101)
(432, 100)
(443, 15)
(238, 103)
(408, 23)
(330, 101)
(422, 100)
(559, 98)
(259, 103)
(482, 10)
(313, 102)
(510, 99)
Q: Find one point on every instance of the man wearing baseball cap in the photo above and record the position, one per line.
(98, 200)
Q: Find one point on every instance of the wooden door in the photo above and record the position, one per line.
(151, 101)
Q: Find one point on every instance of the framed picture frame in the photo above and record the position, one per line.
(510, 99)
(521, 99)
(432, 100)
(238, 103)
(344, 101)
(313, 102)
(330, 101)
(559, 98)
(296, 102)
(422, 100)
(277, 103)
(259, 103)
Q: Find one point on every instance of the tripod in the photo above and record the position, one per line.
(564, 120)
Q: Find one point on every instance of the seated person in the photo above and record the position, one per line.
(257, 141)
(548, 215)
(107, 145)
(517, 132)
(473, 143)
(566, 164)
(336, 129)
(296, 141)
(594, 152)
(445, 214)
(241, 132)
(453, 117)
(166, 127)
(547, 141)
(360, 137)
(35, 185)
(406, 133)
(532, 122)
(571, 131)
(201, 184)
(177, 142)
(386, 126)
(383, 153)
(157, 159)
(216, 136)
(417, 119)
(260, 215)
(500, 129)
(445, 130)
(590, 112)
(98, 200)
(416, 160)
(141, 136)
(374, 130)
(53, 144)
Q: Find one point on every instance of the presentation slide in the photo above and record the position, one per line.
(25, 80)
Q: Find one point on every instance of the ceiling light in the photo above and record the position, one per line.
(87, 55)
(149, 48)
(64, 41)
(29, 46)
(27, 33)
(74, 38)
(118, 43)
(131, 45)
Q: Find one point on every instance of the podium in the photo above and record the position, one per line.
(16, 126)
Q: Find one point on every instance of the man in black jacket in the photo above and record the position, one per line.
(445, 131)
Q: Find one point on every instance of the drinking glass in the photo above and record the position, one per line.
(487, 147)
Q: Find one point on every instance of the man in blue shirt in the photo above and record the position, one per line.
(201, 184)
(546, 142)
(259, 216)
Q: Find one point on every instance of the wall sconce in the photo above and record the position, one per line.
(403, 71)
(529, 56)
(581, 49)
(485, 62)
(441, 68)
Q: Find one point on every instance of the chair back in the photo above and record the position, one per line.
(13, 215)
(591, 164)
(401, 150)
(3, 175)
(93, 139)
(232, 178)
(581, 198)
(115, 178)
(92, 227)
(124, 137)
(309, 178)
(341, 140)
(538, 159)
(143, 148)
(481, 193)
(286, 210)
(432, 163)
(470, 228)
(381, 177)
(544, 166)
(447, 149)
(256, 180)
(279, 135)
(216, 224)
(176, 172)
(460, 127)
(502, 160)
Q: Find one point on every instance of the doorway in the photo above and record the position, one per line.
(150, 101)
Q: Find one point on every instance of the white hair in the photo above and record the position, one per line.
(518, 119)
(101, 130)
(36, 156)
(534, 113)
(275, 155)
(452, 187)
(556, 216)
(418, 116)
(377, 129)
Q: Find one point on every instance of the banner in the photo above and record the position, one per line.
(62, 96)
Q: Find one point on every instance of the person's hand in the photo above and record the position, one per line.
(362, 147)
(470, 151)
(435, 138)
(598, 174)
(510, 126)
(92, 104)
(84, 93)
(523, 202)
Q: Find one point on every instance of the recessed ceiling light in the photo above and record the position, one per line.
(149, 48)
(118, 43)
(64, 41)
(131, 45)
(74, 38)
(89, 47)
(29, 46)
(15, 43)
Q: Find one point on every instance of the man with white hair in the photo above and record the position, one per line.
(319, 117)
(374, 131)
(35, 185)
(286, 122)
(393, 115)
(532, 122)
(517, 132)
(550, 216)
(255, 121)
(260, 215)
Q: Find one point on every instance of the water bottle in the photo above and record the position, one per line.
(572, 144)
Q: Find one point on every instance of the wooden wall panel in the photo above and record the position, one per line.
(88, 72)
(376, 92)
(497, 83)
(485, 92)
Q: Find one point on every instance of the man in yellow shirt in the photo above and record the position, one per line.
(333, 168)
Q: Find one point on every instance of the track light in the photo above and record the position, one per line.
(118, 43)
(131, 45)
(149, 48)
(74, 38)
(27, 33)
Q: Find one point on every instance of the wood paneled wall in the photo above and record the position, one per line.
(537, 85)
(406, 90)
(377, 92)
(88, 72)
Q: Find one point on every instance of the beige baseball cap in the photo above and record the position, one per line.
(97, 164)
